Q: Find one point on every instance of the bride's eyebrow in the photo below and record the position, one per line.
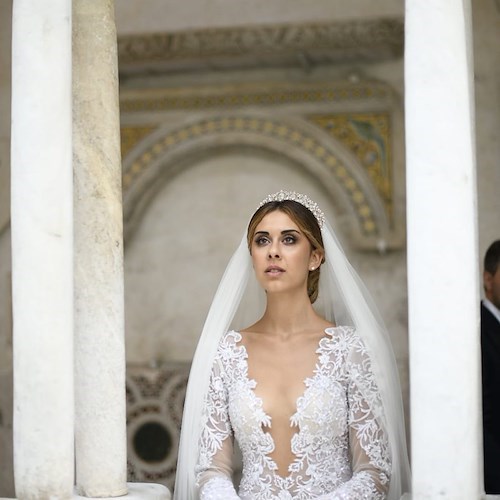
(285, 231)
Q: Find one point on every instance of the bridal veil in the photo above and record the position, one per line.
(342, 299)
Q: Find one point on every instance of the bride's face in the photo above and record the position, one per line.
(282, 255)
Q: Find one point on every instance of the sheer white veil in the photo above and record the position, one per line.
(341, 294)
(354, 305)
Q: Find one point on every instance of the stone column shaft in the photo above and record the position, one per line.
(100, 432)
(42, 249)
(442, 252)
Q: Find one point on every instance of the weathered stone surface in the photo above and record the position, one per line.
(100, 434)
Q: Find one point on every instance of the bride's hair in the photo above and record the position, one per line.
(308, 225)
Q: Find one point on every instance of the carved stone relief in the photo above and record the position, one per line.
(268, 45)
(155, 399)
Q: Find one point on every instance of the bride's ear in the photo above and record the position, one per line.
(316, 259)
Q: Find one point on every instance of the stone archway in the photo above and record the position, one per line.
(161, 154)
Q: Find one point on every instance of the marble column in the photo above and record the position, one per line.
(42, 249)
(100, 425)
(443, 263)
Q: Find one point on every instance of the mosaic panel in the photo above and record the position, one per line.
(368, 137)
(224, 96)
(130, 136)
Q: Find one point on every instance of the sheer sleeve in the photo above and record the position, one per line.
(214, 470)
(368, 442)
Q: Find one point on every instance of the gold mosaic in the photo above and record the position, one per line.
(225, 96)
(130, 136)
(368, 137)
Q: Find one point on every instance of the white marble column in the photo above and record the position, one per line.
(100, 426)
(442, 252)
(42, 249)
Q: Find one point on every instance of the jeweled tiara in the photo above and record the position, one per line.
(299, 198)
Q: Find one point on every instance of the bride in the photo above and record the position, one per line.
(314, 406)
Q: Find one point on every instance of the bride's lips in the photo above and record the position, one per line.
(274, 270)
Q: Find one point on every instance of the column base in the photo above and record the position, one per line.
(136, 491)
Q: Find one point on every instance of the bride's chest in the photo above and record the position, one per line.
(313, 398)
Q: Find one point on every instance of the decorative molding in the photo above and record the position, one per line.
(362, 202)
(304, 44)
(252, 94)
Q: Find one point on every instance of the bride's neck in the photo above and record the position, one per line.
(287, 315)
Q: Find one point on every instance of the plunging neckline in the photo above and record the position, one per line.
(251, 384)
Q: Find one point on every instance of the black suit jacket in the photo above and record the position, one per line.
(490, 354)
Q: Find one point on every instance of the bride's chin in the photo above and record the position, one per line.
(276, 289)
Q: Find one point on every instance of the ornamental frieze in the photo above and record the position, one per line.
(269, 93)
(366, 40)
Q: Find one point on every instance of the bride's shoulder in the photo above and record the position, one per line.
(229, 340)
(342, 331)
(344, 336)
(231, 336)
(349, 341)
(230, 352)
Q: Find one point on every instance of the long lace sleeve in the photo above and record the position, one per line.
(368, 442)
(213, 471)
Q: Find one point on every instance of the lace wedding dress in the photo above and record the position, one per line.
(340, 450)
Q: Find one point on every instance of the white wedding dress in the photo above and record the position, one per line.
(340, 449)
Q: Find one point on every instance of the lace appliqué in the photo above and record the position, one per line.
(219, 488)
(341, 450)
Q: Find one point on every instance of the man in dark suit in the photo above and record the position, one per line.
(490, 351)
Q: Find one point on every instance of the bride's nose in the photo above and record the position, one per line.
(274, 251)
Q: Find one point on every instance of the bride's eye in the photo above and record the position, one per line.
(261, 240)
(289, 240)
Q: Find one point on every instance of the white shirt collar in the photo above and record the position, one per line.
(492, 308)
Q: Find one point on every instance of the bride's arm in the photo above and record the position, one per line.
(368, 442)
(214, 467)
